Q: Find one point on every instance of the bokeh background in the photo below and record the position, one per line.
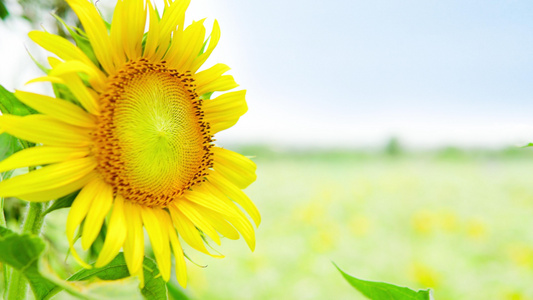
(387, 136)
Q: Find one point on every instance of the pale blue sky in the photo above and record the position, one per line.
(353, 73)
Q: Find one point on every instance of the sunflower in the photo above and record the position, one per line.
(135, 137)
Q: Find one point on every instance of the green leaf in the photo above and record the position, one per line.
(175, 292)
(11, 105)
(22, 252)
(39, 65)
(65, 201)
(204, 46)
(206, 96)
(81, 40)
(4, 13)
(528, 145)
(154, 285)
(8, 145)
(383, 291)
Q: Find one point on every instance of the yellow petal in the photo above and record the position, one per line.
(187, 230)
(95, 217)
(220, 225)
(233, 192)
(36, 156)
(134, 244)
(222, 83)
(244, 227)
(82, 93)
(173, 18)
(237, 219)
(225, 110)
(62, 48)
(184, 50)
(203, 197)
(59, 109)
(51, 79)
(46, 130)
(116, 234)
(213, 41)
(152, 36)
(181, 269)
(140, 274)
(116, 34)
(189, 210)
(71, 68)
(96, 31)
(57, 192)
(135, 22)
(235, 167)
(81, 205)
(156, 227)
(47, 178)
(209, 75)
(78, 212)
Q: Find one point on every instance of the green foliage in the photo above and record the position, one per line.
(4, 13)
(63, 202)
(393, 147)
(206, 96)
(22, 252)
(81, 40)
(175, 292)
(8, 145)
(154, 285)
(382, 291)
(11, 105)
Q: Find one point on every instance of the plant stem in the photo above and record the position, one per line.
(4, 266)
(32, 225)
(34, 218)
(2, 216)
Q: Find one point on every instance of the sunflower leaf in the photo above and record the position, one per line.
(175, 292)
(9, 144)
(154, 285)
(65, 201)
(22, 252)
(38, 64)
(11, 105)
(380, 290)
(4, 13)
(81, 40)
(206, 96)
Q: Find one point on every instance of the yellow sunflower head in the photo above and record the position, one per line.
(135, 137)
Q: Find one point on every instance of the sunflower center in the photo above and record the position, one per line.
(151, 141)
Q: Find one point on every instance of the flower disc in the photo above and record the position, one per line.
(152, 143)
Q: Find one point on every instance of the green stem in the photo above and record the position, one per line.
(2, 216)
(34, 218)
(4, 266)
(3, 223)
(32, 225)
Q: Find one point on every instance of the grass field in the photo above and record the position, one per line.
(460, 223)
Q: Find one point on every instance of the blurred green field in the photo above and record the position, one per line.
(460, 223)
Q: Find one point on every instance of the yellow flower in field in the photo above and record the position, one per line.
(138, 141)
